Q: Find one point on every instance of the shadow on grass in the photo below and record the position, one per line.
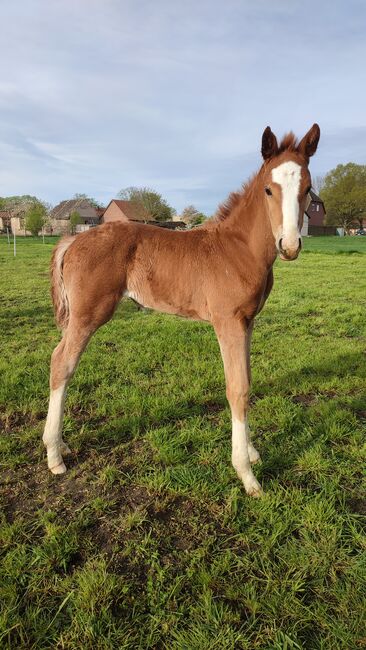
(340, 366)
(36, 314)
(125, 426)
(282, 441)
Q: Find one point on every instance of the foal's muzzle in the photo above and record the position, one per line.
(288, 253)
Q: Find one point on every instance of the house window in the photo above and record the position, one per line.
(317, 207)
(313, 207)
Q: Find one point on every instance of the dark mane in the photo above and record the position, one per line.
(233, 200)
(228, 205)
(289, 142)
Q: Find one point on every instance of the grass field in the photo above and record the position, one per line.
(149, 541)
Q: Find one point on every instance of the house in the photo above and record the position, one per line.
(5, 217)
(60, 216)
(120, 210)
(12, 220)
(314, 217)
(316, 210)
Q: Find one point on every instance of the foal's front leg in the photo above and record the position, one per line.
(233, 340)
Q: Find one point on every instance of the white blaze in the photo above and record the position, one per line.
(288, 176)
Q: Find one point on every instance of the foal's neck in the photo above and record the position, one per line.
(248, 221)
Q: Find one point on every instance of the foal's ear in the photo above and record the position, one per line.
(269, 144)
(309, 143)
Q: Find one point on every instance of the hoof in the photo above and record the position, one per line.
(254, 456)
(58, 469)
(255, 492)
(65, 450)
(253, 488)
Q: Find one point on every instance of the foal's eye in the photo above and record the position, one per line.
(268, 191)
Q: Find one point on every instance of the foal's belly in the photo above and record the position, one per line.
(167, 304)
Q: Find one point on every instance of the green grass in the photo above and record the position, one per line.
(335, 245)
(149, 540)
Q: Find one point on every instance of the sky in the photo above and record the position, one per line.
(99, 95)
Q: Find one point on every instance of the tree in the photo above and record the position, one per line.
(74, 220)
(81, 196)
(19, 204)
(191, 216)
(148, 203)
(344, 195)
(18, 201)
(35, 217)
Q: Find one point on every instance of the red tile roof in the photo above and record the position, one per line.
(130, 210)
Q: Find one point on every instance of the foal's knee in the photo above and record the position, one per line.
(238, 400)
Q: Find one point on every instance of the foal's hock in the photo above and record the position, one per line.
(225, 276)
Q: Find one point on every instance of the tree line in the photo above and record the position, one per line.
(35, 213)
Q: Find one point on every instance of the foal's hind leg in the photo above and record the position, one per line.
(254, 456)
(63, 363)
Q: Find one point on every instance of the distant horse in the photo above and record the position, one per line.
(220, 272)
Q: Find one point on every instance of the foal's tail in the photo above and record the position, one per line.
(59, 295)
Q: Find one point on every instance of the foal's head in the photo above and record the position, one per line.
(287, 183)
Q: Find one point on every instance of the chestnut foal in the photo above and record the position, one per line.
(220, 272)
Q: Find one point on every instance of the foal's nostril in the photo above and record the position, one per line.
(288, 253)
(285, 251)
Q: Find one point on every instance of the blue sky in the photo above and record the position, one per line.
(99, 95)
